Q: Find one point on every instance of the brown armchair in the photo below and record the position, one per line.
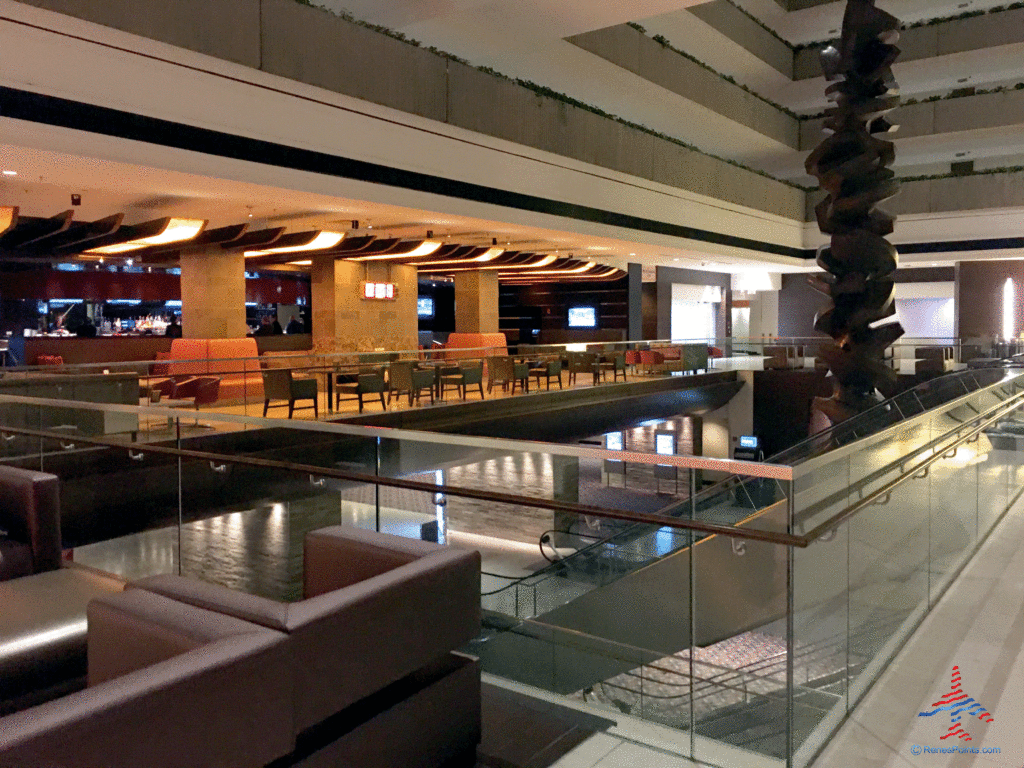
(280, 384)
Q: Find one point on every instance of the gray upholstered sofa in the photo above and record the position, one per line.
(359, 673)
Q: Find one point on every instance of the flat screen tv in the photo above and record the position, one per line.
(425, 306)
(583, 317)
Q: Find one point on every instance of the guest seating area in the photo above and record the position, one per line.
(186, 673)
(29, 522)
(233, 361)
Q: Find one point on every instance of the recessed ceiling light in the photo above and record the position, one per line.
(10, 173)
(632, 254)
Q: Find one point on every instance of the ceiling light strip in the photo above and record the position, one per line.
(425, 248)
(176, 231)
(320, 242)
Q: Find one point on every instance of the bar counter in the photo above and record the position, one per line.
(114, 349)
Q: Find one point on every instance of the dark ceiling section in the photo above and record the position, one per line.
(29, 239)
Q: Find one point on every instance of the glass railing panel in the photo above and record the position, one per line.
(889, 571)
(739, 643)
(243, 526)
(952, 485)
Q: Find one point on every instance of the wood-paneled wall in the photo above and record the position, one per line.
(546, 307)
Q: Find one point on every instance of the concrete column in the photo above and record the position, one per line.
(343, 321)
(476, 302)
(212, 294)
(635, 281)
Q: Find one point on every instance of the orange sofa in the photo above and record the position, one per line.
(459, 345)
(234, 361)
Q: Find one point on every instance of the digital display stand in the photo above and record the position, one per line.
(665, 445)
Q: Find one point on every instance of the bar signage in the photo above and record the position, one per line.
(383, 291)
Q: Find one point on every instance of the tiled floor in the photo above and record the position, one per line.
(978, 625)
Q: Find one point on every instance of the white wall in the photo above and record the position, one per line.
(926, 318)
(691, 317)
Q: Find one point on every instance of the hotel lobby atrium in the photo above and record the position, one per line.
(466, 383)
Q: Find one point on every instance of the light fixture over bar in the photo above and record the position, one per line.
(547, 260)
(303, 263)
(425, 248)
(321, 241)
(575, 271)
(489, 255)
(176, 231)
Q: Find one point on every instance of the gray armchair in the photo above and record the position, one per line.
(614, 364)
(463, 377)
(371, 383)
(547, 370)
(281, 384)
(583, 362)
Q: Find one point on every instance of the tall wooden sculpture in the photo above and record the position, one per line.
(852, 165)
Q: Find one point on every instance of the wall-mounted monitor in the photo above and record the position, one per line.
(583, 317)
(425, 306)
(665, 443)
(613, 441)
(749, 441)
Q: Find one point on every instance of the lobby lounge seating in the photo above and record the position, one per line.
(169, 686)
(461, 346)
(30, 516)
(462, 378)
(782, 357)
(505, 371)
(547, 370)
(233, 361)
(360, 673)
(364, 384)
(380, 617)
(406, 379)
(583, 362)
(613, 364)
(282, 384)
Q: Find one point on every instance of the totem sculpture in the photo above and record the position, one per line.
(852, 165)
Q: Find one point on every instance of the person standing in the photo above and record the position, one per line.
(173, 330)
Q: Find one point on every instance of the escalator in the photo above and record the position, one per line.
(623, 601)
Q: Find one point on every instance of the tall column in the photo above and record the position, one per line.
(635, 316)
(476, 302)
(343, 321)
(212, 294)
